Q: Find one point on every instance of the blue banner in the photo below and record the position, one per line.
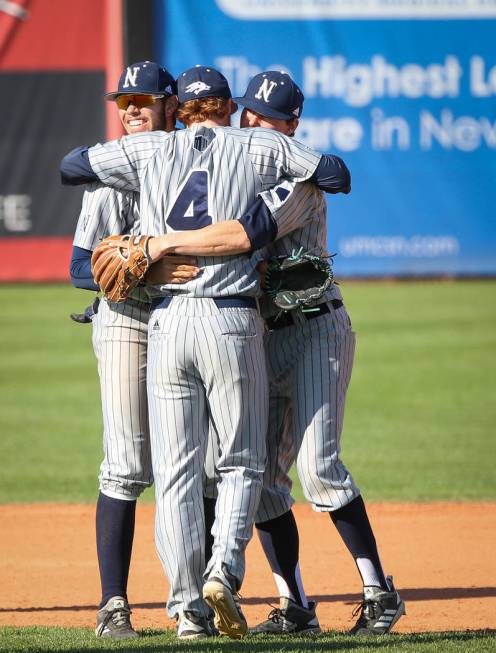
(403, 90)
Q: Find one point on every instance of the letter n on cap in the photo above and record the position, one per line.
(131, 74)
(266, 88)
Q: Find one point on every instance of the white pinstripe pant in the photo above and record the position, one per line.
(120, 341)
(309, 367)
(205, 365)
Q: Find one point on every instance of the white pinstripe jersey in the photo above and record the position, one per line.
(301, 211)
(108, 212)
(197, 176)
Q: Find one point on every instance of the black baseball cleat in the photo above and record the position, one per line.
(114, 620)
(379, 611)
(289, 618)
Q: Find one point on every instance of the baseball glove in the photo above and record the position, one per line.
(299, 280)
(119, 264)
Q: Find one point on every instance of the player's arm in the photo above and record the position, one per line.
(80, 269)
(274, 214)
(276, 157)
(75, 168)
(116, 163)
(331, 175)
(255, 229)
(221, 239)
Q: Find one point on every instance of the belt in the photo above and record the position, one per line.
(287, 319)
(233, 301)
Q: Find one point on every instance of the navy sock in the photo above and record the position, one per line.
(209, 509)
(353, 525)
(281, 543)
(114, 543)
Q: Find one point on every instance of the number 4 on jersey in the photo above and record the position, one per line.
(190, 210)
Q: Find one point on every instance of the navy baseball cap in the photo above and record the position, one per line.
(202, 81)
(144, 77)
(273, 94)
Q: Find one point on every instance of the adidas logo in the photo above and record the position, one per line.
(386, 618)
(156, 326)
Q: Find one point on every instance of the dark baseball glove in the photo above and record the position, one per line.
(299, 280)
(88, 314)
(119, 264)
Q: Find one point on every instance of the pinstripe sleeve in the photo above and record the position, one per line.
(121, 163)
(277, 157)
(292, 205)
(104, 212)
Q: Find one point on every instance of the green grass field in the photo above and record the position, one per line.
(420, 425)
(420, 419)
(43, 640)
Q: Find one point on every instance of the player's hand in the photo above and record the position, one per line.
(156, 247)
(173, 269)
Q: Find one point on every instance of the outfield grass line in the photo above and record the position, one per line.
(375, 504)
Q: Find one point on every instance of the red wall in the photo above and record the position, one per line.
(56, 35)
(64, 36)
(35, 259)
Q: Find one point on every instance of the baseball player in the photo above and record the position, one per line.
(309, 362)
(206, 359)
(146, 101)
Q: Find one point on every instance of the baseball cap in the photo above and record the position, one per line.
(202, 81)
(273, 94)
(144, 77)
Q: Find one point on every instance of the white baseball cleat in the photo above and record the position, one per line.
(192, 626)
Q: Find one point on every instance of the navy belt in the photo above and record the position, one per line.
(233, 301)
(287, 319)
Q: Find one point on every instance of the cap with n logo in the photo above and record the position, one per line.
(144, 77)
(273, 94)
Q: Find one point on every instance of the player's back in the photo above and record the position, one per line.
(200, 177)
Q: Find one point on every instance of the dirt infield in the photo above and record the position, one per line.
(441, 554)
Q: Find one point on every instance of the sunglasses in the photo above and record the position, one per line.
(139, 101)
